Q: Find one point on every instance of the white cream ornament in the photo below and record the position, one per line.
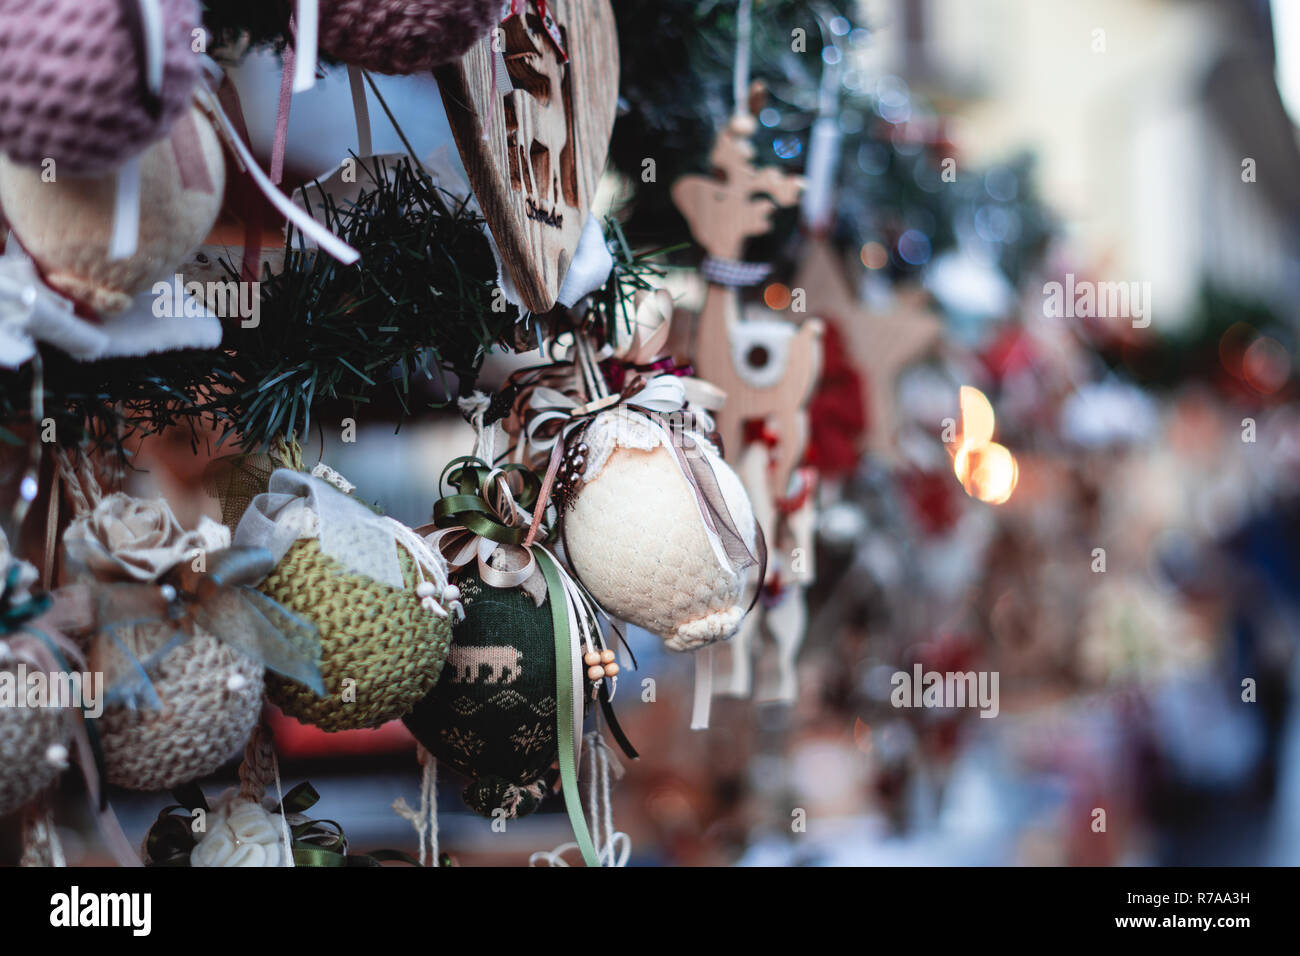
(637, 539)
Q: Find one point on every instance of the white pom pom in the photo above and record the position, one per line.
(57, 754)
(236, 682)
(425, 589)
(451, 593)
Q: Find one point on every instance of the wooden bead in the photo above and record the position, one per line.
(611, 670)
(607, 656)
(590, 658)
(596, 672)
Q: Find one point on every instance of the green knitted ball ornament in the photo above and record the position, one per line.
(381, 651)
(492, 717)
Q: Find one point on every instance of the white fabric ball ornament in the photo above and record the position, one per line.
(636, 539)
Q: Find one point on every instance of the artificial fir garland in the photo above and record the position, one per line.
(418, 304)
(421, 304)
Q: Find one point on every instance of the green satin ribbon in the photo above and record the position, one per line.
(469, 506)
(564, 708)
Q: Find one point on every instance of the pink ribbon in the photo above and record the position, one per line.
(190, 161)
(282, 114)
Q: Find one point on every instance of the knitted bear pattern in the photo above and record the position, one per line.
(380, 641)
(492, 716)
(403, 36)
(71, 82)
(26, 736)
(66, 225)
(211, 696)
(636, 539)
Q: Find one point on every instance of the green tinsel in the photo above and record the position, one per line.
(420, 303)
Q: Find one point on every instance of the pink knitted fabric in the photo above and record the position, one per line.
(70, 81)
(403, 36)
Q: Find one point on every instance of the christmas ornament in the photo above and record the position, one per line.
(517, 675)
(378, 596)
(67, 225)
(88, 84)
(767, 367)
(532, 122)
(34, 740)
(685, 531)
(493, 715)
(247, 827)
(403, 36)
(176, 708)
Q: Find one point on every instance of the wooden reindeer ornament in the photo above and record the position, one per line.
(769, 368)
(532, 108)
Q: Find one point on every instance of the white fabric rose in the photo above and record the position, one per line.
(240, 833)
(127, 539)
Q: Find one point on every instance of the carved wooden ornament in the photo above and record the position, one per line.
(532, 108)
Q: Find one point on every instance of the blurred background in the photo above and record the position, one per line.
(1129, 568)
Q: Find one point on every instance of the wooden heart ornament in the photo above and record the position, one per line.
(532, 108)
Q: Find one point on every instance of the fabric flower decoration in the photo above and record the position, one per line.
(240, 833)
(128, 539)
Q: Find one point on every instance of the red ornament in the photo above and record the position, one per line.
(837, 420)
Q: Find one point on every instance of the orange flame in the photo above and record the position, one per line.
(987, 470)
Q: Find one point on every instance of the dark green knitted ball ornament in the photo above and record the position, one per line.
(492, 715)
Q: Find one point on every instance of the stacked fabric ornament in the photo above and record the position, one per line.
(377, 595)
(655, 525)
(493, 717)
(247, 827)
(110, 176)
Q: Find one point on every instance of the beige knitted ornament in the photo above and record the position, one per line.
(34, 744)
(636, 538)
(209, 694)
(65, 225)
(211, 697)
(34, 741)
